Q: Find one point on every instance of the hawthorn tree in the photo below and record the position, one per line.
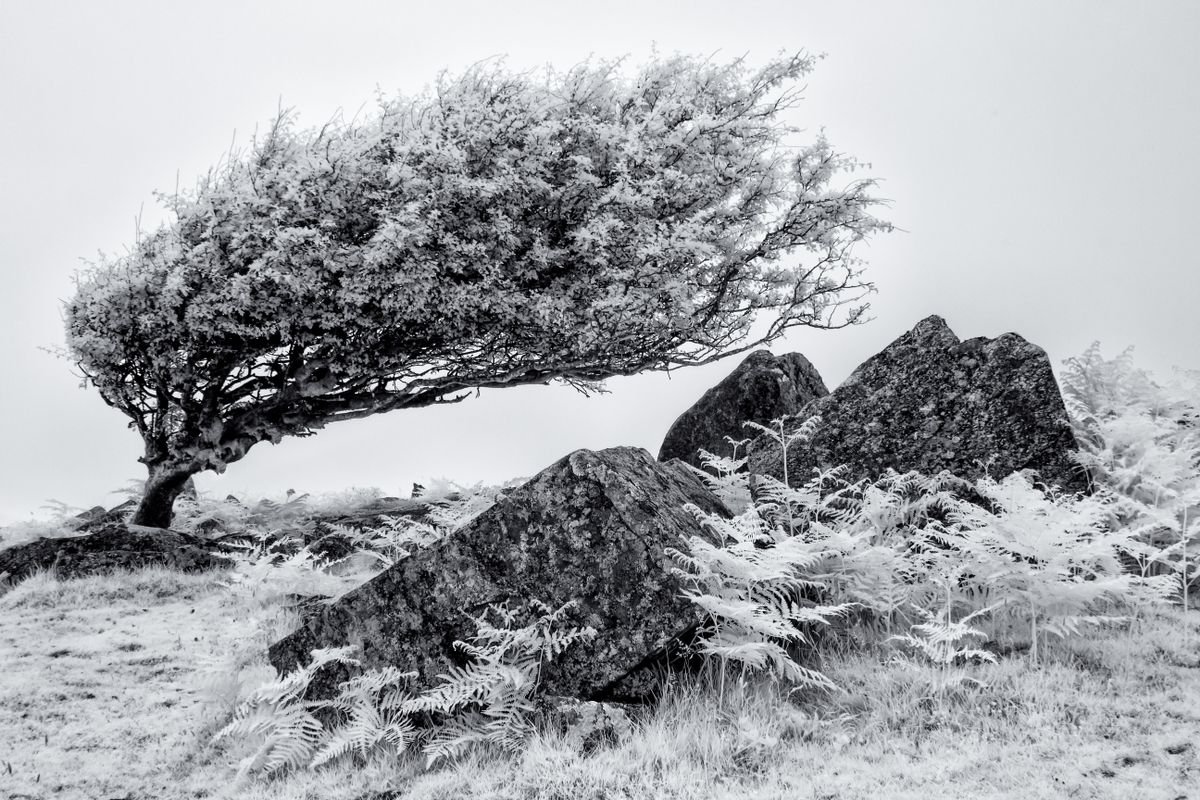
(500, 229)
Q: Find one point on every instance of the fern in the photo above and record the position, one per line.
(726, 477)
(277, 715)
(1049, 560)
(392, 541)
(941, 638)
(752, 589)
(778, 433)
(371, 707)
(1140, 441)
(489, 700)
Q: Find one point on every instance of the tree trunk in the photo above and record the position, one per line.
(158, 500)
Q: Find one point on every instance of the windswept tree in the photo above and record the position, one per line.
(500, 229)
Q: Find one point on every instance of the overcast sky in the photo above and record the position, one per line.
(1042, 161)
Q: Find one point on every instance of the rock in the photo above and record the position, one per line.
(92, 513)
(591, 528)
(97, 518)
(762, 388)
(211, 527)
(930, 402)
(115, 546)
(377, 512)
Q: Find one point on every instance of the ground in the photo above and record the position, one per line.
(112, 688)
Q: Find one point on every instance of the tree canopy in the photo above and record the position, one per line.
(499, 229)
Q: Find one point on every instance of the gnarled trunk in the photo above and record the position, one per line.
(158, 500)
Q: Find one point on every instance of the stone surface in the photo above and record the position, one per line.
(98, 518)
(930, 402)
(591, 528)
(377, 512)
(762, 388)
(114, 546)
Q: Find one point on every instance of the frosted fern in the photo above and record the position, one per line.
(1140, 441)
(725, 476)
(288, 734)
(753, 588)
(944, 640)
(489, 700)
(373, 720)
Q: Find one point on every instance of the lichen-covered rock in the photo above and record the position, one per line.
(591, 528)
(112, 547)
(930, 402)
(98, 518)
(762, 388)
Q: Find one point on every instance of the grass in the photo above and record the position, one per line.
(101, 682)
(112, 687)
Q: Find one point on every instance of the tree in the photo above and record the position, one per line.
(500, 229)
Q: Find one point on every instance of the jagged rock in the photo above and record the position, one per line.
(762, 388)
(97, 518)
(930, 402)
(591, 528)
(115, 546)
(91, 514)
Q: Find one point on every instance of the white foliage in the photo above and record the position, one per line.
(1140, 442)
(944, 640)
(911, 552)
(752, 588)
(487, 701)
(277, 716)
(501, 229)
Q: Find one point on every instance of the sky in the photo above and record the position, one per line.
(1040, 161)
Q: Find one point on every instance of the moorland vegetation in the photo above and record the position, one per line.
(909, 620)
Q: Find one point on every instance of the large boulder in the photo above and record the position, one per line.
(114, 546)
(591, 528)
(764, 387)
(930, 402)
